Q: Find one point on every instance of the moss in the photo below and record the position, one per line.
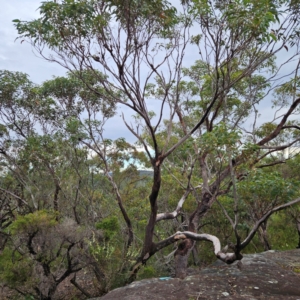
(296, 269)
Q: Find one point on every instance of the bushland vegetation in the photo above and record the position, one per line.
(218, 129)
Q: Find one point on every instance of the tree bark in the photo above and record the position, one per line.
(181, 258)
(186, 247)
(149, 246)
(195, 256)
(298, 229)
(148, 242)
(55, 200)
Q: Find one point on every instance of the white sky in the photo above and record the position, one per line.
(15, 56)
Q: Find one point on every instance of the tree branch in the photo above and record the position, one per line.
(263, 219)
(279, 127)
(226, 257)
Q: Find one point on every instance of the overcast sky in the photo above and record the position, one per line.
(15, 56)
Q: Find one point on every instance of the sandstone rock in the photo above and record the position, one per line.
(268, 275)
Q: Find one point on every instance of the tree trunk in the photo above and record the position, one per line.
(264, 237)
(186, 247)
(149, 247)
(55, 200)
(181, 258)
(298, 229)
(148, 241)
(195, 256)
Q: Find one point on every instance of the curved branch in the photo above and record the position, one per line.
(291, 127)
(282, 147)
(174, 214)
(263, 219)
(202, 120)
(279, 127)
(278, 162)
(138, 137)
(226, 257)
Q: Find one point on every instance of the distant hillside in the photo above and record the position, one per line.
(145, 173)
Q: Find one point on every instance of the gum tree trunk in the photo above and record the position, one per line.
(209, 193)
(186, 247)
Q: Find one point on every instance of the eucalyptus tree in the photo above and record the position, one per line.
(33, 151)
(129, 46)
(49, 201)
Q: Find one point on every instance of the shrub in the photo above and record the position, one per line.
(109, 225)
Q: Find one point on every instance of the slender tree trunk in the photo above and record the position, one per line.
(298, 230)
(55, 200)
(195, 256)
(149, 246)
(264, 236)
(209, 194)
(123, 211)
(148, 242)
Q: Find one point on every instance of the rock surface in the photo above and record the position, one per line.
(268, 275)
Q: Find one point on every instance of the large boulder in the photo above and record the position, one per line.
(268, 275)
